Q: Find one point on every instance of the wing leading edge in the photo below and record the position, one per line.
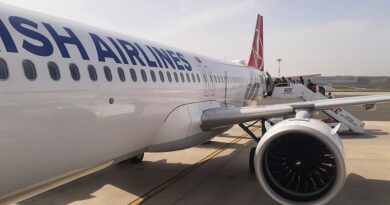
(220, 117)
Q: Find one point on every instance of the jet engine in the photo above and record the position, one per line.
(300, 161)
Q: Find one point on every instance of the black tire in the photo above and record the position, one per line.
(137, 159)
(206, 142)
(252, 160)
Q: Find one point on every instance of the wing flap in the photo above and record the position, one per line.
(359, 100)
(229, 116)
(220, 117)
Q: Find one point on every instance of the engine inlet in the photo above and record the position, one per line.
(299, 167)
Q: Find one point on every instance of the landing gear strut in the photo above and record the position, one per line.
(247, 130)
(137, 159)
(252, 160)
(254, 137)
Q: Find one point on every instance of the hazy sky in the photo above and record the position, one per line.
(350, 37)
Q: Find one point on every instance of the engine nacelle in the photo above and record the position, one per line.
(300, 161)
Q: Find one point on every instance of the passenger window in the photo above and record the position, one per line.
(188, 77)
(107, 73)
(169, 76)
(193, 77)
(205, 78)
(133, 75)
(3, 70)
(182, 77)
(161, 76)
(54, 71)
(74, 72)
(153, 75)
(197, 77)
(176, 77)
(92, 73)
(143, 75)
(29, 70)
(121, 74)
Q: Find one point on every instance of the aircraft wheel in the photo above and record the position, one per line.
(137, 159)
(252, 160)
(207, 142)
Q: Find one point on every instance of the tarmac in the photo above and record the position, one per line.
(218, 173)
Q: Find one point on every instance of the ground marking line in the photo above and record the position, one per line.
(183, 173)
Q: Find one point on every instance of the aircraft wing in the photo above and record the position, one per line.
(220, 117)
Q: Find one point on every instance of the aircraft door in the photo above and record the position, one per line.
(208, 81)
(211, 82)
(253, 87)
(205, 81)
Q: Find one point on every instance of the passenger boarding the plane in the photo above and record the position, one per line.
(301, 80)
(311, 86)
(321, 89)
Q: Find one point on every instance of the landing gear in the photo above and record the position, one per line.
(255, 138)
(263, 128)
(206, 142)
(247, 130)
(137, 159)
(252, 160)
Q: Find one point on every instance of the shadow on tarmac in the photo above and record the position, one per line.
(136, 179)
(359, 190)
(369, 134)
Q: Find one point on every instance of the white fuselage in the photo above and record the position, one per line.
(50, 128)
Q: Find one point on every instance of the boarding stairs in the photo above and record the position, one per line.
(349, 123)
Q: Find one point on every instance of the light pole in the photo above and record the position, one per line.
(279, 60)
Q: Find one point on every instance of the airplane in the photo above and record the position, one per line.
(74, 96)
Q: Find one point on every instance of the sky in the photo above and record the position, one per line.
(328, 37)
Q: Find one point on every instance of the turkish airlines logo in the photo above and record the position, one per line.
(287, 90)
(257, 49)
(256, 58)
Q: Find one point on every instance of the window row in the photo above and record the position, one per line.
(30, 72)
(54, 72)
